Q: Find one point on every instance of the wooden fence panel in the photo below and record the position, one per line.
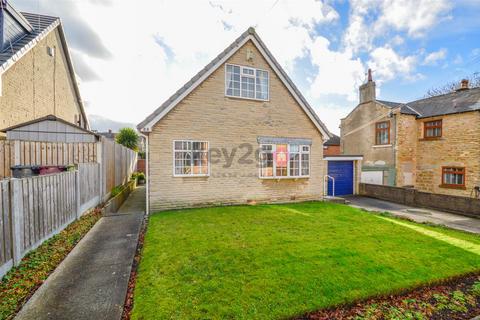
(89, 174)
(6, 258)
(15, 152)
(43, 206)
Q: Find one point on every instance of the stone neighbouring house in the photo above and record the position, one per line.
(203, 141)
(332, 146)
(432, 144)
(36, 71)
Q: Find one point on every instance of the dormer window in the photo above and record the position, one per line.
(246, 82)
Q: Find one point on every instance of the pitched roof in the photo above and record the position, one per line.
(406, 109)
(333, 141)
(450, 103)
(455, 102)
(42, 25)
(250, 34)
(49, 117)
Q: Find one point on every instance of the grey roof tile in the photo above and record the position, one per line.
(39, 22)
(450, 103)
(333, 141)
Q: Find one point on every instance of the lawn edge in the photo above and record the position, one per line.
(349, 306)
(129, 297)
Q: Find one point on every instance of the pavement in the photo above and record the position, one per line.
(92, 281)
(451, 220)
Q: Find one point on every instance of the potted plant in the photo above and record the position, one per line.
(141, 178)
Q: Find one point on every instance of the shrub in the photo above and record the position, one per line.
(116, 190)
(141, 176)
(129, 138)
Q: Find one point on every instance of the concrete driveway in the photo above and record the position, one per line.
(454, 221)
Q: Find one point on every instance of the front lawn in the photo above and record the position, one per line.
(277, 261)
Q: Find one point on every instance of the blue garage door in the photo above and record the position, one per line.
(342, 171)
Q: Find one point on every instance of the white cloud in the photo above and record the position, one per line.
(338, 72)
(387, 65)
(434, 57)
(371, 19)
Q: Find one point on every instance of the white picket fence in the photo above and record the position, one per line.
(36, 208)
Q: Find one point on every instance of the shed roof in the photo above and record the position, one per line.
(48, 118)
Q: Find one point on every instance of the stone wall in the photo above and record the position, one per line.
(412, 197)
(358, 137)
(459, 146)
(38, 85)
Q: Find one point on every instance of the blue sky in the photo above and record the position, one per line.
(130, 58)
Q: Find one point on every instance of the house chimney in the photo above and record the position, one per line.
(463, 85)
(367, 90)
(109, 130)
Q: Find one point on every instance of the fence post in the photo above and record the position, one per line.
(16, 211)
(16, 153)
(77, 193)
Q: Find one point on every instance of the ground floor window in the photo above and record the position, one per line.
(284, 160)
(453, 176)
(190, 158)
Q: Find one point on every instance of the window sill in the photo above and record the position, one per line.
(251, 99)
(382, 145)
(191, 175)
(450, 186)
(284, 178)
(431, 139)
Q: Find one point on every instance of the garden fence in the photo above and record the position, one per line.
(34, 209)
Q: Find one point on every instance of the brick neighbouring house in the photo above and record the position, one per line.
(332, 146)
(432, 144)
(241, 102)
(37, 75)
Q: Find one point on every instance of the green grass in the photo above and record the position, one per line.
(277, 261)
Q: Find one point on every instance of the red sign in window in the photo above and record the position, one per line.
(281, 156)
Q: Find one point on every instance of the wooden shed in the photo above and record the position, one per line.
(50, 129)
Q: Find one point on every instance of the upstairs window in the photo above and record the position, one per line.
(382, 133)
(453, 177)
(284, 160)
(245, 82)
(190, 158)
(432, 129)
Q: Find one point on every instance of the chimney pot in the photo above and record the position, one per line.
(109, 130)
(463, 85)
(370, 78)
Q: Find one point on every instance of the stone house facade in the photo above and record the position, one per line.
(37, 75)
(431, 144)
(239, 132)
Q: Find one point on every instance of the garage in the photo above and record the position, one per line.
(341, 175)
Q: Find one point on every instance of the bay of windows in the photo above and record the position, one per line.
(246, 82)
(284, 160)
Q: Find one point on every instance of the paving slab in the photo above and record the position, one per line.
(454, 221)
(92, 281)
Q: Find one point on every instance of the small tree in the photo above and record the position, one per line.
(128, 137)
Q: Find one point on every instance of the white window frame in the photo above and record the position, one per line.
(254, 76)
(288, 176)
(191, 174)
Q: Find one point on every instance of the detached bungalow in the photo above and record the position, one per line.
(238, 132)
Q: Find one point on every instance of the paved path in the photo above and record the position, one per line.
(451, 220)
(91, 283)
